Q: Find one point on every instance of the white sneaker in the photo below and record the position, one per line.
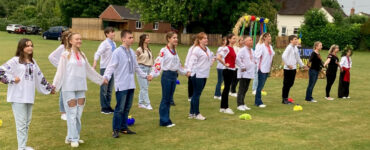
(142, 106)
(234, 94)
(191, 116)
(217, 97)
(241, 108)
(29, 148)
(63, 117)
(246, 108)
(200, 117)
(68, 142)
(344, 97)
(312, 101)
(170, 126)
(254, 92)
(189, 99)
(149, 107)
(229, 111)
(348, 97)
(222, 110)
(74, 144)
(329, 98)
(262, 106)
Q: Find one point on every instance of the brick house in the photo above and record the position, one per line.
(121, 17)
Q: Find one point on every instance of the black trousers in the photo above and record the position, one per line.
(243, 88)
(330, 78)
(190, 88)
(234, 82)
(289, 77)
(227, 75)
(343, 88)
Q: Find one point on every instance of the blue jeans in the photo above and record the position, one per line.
(106, 93)
(262, 77)
(74, 113)
(61, 105)
(122, 110)
(219, 82)
(168, 83)
(144, 85)
(255, 80)
(198, 86)
(22, 116)
(313, 74)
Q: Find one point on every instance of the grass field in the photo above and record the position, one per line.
(338, 124)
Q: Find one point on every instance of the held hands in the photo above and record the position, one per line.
(52, 90)
(105, 82)
(149, 77)
(227, 65)
(188, 74)
(17, 80)
(243, 70)
(290, 66)
(305, 67)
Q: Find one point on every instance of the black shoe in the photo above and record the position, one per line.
(127, 131)
(115, 134)
(111, 110)
(173, 104)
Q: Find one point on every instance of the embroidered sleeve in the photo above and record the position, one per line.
(157, 67)
(42, 85)
(7, 72)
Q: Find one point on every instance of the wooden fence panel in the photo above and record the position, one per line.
(158, 38)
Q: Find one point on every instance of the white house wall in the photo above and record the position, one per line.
(295, 21)
(290, 22)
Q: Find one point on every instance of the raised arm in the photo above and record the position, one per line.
(55, 55)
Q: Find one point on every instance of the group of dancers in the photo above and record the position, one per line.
(238, 61)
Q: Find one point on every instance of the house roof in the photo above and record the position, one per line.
(297, 7)
(332, 11)
(126, 13)
(365, 14)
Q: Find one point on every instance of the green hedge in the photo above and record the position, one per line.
(332, 34)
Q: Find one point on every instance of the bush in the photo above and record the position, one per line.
(316, 28)
(3, 23)
(365, 36)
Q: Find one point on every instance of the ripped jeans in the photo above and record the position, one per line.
(74, 102)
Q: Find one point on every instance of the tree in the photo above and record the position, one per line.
(85, 8)
(331, 4)
(3, 11)
(314, 19)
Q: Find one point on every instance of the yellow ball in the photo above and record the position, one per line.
(258, 19)
(247, 18)
(222, 87)
(266, 20)
(263, 93)
(1, 122)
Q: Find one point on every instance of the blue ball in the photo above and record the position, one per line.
(130, 121)
(177, 81)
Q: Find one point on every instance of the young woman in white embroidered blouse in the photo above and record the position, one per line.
(73, 68)
(54, 59)
(168, 62)
(23, 76)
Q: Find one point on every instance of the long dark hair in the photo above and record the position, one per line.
(141, 43)
(20, 50)
(228, 37)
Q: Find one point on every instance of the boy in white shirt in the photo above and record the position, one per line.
(290, 58)
(123, 65)
(104, 52)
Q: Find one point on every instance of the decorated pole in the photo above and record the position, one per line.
(262, 25)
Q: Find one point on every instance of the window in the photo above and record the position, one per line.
(295, 32)
(138, 25)
(283, 31)
(155, 25)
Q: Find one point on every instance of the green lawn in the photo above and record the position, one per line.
(338, 124)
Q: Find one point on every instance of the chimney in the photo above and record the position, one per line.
(352, 11)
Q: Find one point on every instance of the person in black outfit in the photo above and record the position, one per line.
(332, 63)
(315, 64)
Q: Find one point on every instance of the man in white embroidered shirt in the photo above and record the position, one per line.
(104, 52)
(123, 65)
(290, 58)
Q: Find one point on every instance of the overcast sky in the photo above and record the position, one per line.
(359, 5)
